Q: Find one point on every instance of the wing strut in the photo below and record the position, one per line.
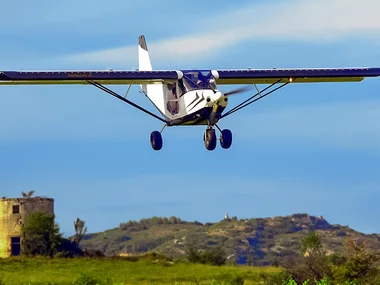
(109, 91)
(259, 96)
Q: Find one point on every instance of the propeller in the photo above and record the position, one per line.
(237, 91)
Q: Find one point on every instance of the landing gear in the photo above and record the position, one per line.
(156, 140)
(225, 139)
(210, 139)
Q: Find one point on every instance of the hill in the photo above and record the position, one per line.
(258, 241)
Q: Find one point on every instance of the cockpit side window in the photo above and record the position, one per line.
(182, 89)
(172, 95)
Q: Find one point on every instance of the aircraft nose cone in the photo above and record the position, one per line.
(218, 95)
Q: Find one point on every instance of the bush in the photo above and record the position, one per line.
(211, 256)
(360, 265)
(68, 248)
(93, 253)
(313, 263)
(357, 266)
(41, 235)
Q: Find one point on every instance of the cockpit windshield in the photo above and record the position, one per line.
(186, 84)
(198, 80)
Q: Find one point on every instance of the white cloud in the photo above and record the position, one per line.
(298, 20)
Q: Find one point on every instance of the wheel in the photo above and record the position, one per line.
(210, 139)
(156, 140)
(226, 139)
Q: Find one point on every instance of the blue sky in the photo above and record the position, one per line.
(311, 148)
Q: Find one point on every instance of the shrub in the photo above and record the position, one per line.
(360, 264)
(214, 256)
(313, 264)
(41, 235)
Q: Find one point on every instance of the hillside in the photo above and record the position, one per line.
(258, 241)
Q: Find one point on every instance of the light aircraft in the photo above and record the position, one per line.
(189, 97)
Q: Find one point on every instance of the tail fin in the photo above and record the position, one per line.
(144, 59)
(155, 92)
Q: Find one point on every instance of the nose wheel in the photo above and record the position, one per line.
(226, 139)
(210, 138)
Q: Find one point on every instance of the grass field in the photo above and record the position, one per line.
(118, 271)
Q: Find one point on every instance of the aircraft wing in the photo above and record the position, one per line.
(83, 77)
(269, 76)
(242, 76)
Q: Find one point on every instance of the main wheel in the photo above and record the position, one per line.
(226, 139)
(156, 140)
(210, 139)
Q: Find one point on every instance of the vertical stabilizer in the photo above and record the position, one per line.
(144, 59)
(155, 92)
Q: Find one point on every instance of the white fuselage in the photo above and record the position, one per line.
(193, 101)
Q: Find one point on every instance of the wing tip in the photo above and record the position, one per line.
(3, 76)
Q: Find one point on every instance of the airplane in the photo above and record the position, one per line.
(189, 97)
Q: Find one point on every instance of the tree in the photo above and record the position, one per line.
(313, 264)
(80, 230)
(312, 242)
(360, 264)
(40, 235)
(27, 195)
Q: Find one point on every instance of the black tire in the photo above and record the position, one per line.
(210, 139)
(156, 140)
(226, 139)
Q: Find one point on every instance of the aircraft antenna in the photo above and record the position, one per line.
(176, 57)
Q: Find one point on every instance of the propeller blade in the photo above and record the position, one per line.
(236, 91)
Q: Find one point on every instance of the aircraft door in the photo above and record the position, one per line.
(172, 101)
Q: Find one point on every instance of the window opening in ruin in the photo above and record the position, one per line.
(15, 246)
(16, 209)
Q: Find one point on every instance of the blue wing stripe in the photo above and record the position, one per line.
(86, 75)
(3, 76)
(298, 73)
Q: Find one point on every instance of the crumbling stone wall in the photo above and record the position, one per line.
(11, 223)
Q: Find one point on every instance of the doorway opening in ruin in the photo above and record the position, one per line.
(15, 246)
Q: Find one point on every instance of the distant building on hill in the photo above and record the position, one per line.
(13, 214)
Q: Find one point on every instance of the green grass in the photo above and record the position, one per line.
(117, 271)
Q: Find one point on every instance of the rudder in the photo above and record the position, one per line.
(144, 58)
(155, 92)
